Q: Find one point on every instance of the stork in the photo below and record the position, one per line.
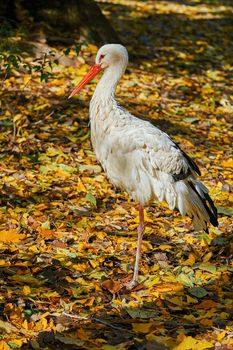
(139, 158)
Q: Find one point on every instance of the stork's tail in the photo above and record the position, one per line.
(193, 200)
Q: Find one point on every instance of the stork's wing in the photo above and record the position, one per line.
(158, 151)
(191, 163)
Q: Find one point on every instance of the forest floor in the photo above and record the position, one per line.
(68, 238)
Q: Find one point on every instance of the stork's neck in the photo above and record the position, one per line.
(105, 90)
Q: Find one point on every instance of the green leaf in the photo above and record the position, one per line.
(52, 151)
(190, 120)
(98, 275)
(46, 225)
(207, 267)
(28, 312)
(66, 51)
(90, 198)
(198, 292)
(203, 236)
(72, 255)
(27, 279)
(141, 313)
(185, 279)
(44, 77)
(34, 158)
(225, 210)
(77, 49)
(5, 123)
(221, 241)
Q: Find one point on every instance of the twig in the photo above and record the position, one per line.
(76, 316)
(110, 324)
(96, 320)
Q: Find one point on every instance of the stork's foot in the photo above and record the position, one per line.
(130, 285)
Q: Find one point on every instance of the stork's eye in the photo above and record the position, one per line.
(101, 57)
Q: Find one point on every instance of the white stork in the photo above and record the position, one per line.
(138, 157)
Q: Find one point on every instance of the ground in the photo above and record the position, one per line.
(68, 238)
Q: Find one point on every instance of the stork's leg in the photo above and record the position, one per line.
(141, 227)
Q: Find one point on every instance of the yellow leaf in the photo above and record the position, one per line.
(146, 246)
(26, 290)
(86, 301)
(41, 325)
(228, 163)
(133, 227)
(189, 343)
(152, 280)
(80, 186)
(230, 342)
(142, 327)
(191, 300)
(80, 267)
(191, 260)
(61, 173)
(120, 210)
(34, 249)
(177, 301)
(165, 247)
(7, 114)
(153, 96)
(207, 257)
(136, 296)
(9, 236)
(147, 218)
(41, 206)
(17, 117)
(25, 324)
(46, 233)
(41, 106)
(132, 304)
(190, 239)
(169, 287)
(221, 335)
(149, 230)
(4, 346)
(51, 294)
(203, 345)
(18, 342)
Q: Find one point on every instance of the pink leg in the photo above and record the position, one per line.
(139, 245)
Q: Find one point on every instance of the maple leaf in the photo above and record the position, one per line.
(11, 235)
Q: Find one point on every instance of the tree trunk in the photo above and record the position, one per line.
(81, 19)
(8, 12)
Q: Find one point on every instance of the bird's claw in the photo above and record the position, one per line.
(130, 285)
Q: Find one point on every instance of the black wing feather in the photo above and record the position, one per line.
(182, 175)
(208, 204)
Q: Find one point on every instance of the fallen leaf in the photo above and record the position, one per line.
(112, 286)
(11, 235)
(198, 292)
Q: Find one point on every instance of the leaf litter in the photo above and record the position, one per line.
(68, 238)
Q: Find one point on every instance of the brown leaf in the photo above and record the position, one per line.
(112, 286)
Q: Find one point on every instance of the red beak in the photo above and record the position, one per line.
(94, 70)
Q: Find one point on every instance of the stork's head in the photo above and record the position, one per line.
(109, 56)
(112, 55)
